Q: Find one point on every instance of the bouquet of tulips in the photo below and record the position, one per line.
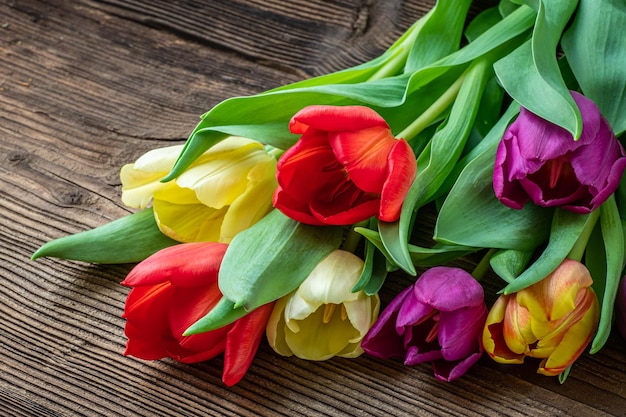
(284, 212)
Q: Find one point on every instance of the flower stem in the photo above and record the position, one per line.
(438, 107)
(273, 152)
(401, 51)
(483, 266)
(577, 251)
(353, 238)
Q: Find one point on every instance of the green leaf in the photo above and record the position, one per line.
(264, 117)
(613, 235)
(566, 229)
(378, 273)
(374, 237)
(508, 264)
(222, 314)
(437, 255)
(482, 23)
(488, 144)
(595, 47)
(531, 73)
(432, 43)
(472, 216)
(435, 163)
(129, 239)
(272, 258)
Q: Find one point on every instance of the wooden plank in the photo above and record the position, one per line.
(88, 86)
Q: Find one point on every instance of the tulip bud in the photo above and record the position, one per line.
(540, 161)
(171, 290)
(226, 190)
(360, 169)
(438, 319)
(553, 319)
(323, 317)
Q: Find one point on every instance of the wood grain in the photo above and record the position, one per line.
(87, 86)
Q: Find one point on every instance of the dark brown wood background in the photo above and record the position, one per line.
(87, 86)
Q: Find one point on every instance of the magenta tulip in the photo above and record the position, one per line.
(540, 161)
(345, 168)
(439, 319)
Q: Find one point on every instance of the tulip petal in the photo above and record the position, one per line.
(364, 155)
(275, 328)
(335, 119)
(318, 340)
(448, 289)
(493, 334)
(189, 222)
(555, 295)
(242, 343)
(573, 343)
(402, 170)
(447, 371)
(331, 281)
(383, 340)
(186, 265)
(517, 327)
(458, 332)
(253, 204)
(188, 305)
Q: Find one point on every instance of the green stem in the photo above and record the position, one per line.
(401, 52)
(483, 266)
(438, 107)
(353, 238)
(273, 152)
(577, 251)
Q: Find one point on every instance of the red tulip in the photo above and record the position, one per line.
(171, 290)
(345, 168)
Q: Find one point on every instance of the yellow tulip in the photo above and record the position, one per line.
(226, 190)
(323, 317)
(553, 319)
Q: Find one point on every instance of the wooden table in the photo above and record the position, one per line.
(87, 86)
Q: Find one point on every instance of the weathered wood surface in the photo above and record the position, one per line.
(87, 86)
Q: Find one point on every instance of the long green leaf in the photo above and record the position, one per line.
(272, 258)
(508, 264)
(265, 116)
(442, 154)
(595, 47)
(566, 229)
(129, 239)
(472, 216)
(432, 43)
(613, 236)
(222, 314)
(531, 73)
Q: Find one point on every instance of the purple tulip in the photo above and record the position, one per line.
(439, 319)
(540, 161)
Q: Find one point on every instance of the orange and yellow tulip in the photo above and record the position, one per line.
(553, 319)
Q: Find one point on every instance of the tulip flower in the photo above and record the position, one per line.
(540, 161)
(345, 168)
(226, 190)
(323, 317)
(553, 319)
(171, 290)
(438, 319)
